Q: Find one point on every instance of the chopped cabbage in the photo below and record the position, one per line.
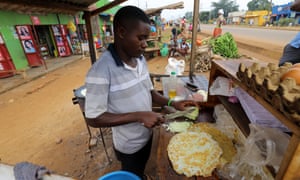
(176, 127)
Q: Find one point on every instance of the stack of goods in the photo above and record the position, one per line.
(225, 46)
(279, 86)
(200, 150)
(221, 47)
(203, 58)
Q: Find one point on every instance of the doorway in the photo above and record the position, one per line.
(46, 43)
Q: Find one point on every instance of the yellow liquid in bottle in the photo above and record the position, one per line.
(172, 93)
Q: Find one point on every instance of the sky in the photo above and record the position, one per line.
(205, 5)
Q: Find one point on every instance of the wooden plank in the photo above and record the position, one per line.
(88, 23)
(151, 39)
(229, 69)
(164, 167)
(106, 7)
(238, 114)
(290, 164)
(152, 49)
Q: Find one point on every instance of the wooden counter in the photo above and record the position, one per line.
(164, 167)
(290, 164)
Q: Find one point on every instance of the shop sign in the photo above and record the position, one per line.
(35, 20)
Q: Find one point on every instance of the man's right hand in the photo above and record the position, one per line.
(150, 119)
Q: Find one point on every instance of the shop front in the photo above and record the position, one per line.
(6, 65)
(32, 39)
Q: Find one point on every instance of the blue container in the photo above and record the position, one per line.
(120, 175)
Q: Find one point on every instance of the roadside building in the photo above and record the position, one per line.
(236, 17)
(29, 39)
(257, 18)
(284, 11)
(106, 22)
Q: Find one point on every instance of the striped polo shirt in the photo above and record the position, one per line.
(112, 86)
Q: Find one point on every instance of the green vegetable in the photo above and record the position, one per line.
(193, 115)
(175, 127)
(225, 46)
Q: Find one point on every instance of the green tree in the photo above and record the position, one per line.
(254, 5)
(204, 16)
(227, 5)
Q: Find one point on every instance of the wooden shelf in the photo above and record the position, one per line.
(152, 49)
(289, 168)
(238, 114)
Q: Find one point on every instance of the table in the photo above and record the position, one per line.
(164, 167)
(200, 81)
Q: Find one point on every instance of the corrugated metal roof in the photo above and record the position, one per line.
(47, 6)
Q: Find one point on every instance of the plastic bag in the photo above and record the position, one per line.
(175, 65)
(164, 51)
(224, 121)
(264, 146)
(222, 86)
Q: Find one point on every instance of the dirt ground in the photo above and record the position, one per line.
(40, 124)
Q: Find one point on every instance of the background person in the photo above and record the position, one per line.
(220, 19)
(291, 52)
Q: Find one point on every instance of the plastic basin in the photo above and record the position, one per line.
(120, 175)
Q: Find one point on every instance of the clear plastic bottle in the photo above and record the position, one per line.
(172, 85)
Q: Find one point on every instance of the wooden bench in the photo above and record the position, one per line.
(149, 52)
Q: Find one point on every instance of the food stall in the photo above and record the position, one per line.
(254, 78)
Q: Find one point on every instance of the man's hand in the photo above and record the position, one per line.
(182, 105)
(150, 119)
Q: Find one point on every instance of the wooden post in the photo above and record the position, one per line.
(88, 23)
(194, 38)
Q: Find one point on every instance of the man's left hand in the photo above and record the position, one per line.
(182, 105)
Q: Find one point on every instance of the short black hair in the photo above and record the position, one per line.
(128, 15)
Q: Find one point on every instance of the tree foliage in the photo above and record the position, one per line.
(189, 16)
(204, 16)
(254, 5)
(227, 5)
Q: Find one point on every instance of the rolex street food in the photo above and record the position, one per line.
(224, 142)
(194, 154)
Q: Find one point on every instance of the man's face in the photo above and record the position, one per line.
(134, 40)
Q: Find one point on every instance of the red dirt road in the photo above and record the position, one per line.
(40, 124)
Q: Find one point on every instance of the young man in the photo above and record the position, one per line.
(120, 92)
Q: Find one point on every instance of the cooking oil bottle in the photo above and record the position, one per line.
(172, 85)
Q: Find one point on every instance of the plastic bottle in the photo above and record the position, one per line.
(172, 85)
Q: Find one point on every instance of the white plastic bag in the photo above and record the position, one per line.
(264, 146)
(222, 86)
(175, 65)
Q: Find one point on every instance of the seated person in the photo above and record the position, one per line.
(183, 47)
(291, 52)
(178, 47)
